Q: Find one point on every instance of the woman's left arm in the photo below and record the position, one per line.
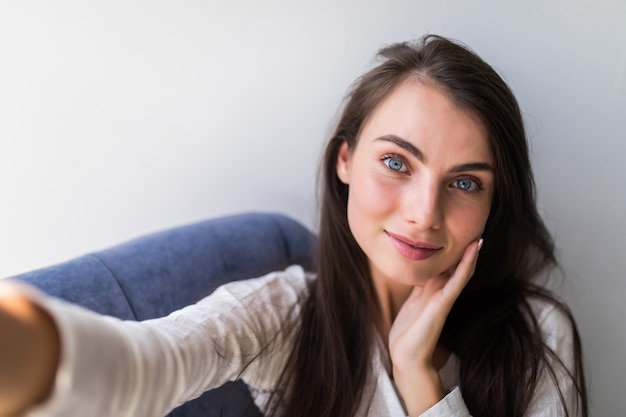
(556, 388)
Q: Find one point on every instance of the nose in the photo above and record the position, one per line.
(422, 205)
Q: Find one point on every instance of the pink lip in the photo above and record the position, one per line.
(411, 249)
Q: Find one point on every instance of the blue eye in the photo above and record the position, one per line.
(394, 164)
(465, 184)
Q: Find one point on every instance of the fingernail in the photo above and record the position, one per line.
(480, 243)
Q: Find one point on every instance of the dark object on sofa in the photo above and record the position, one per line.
(154, 275)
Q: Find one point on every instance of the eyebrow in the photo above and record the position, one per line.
(408, 146)
(474, 166)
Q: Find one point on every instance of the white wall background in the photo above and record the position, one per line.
(118, 118)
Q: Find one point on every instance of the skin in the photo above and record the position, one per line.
(419, 176)
(29, 354)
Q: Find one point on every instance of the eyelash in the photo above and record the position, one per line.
(478, 186)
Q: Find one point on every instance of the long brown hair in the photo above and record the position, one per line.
(491, 327)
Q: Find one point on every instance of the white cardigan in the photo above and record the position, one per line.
(120, 368)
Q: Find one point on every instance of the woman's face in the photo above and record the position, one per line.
(420, 182)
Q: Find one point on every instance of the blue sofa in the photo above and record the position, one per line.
(162, 272)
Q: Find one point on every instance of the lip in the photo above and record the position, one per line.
(411, 249)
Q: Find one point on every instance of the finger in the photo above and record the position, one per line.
(464, 271)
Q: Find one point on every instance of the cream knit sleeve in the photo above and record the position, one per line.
(120, 368)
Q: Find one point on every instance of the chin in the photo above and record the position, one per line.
(420, 275)
(412, 273)
(424, 272)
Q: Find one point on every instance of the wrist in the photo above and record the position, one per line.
(420, 389)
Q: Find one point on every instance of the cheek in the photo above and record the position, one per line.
(468, 223)
(464, 226)
(370, 204)
(371, 197)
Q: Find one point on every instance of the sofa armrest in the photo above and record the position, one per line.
(156, 274)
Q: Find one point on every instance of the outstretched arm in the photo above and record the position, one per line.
(29, 353)
(109, 367)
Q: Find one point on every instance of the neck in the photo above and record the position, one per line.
(390, 297)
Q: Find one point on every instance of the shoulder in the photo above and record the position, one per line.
(556, 390)
(289, 286)
(555, 323)
(559, 334)
(557, 329)
(266, 309)
(255, 307)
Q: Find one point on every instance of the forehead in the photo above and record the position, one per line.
(424, 115)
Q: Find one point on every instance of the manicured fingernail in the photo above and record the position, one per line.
(480, 243)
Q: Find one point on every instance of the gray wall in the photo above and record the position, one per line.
(118, 118)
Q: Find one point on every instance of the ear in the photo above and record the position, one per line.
(343, 163)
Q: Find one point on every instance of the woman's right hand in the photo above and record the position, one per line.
(29, 353)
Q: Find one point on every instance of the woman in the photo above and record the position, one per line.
(403, 317)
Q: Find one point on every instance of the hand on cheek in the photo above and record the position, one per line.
(416, 331)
